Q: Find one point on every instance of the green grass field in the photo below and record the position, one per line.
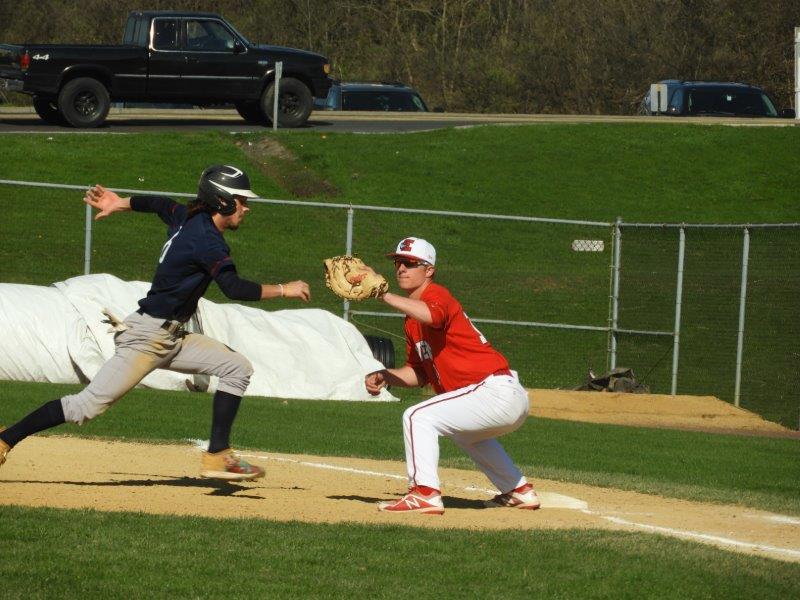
(161, 557)
(654, 173)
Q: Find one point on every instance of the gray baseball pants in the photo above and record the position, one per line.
(145, 346)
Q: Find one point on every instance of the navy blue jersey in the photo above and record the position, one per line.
(195, 254)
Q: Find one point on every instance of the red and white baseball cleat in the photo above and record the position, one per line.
(522, 497)
(226, 464)
(415, 501)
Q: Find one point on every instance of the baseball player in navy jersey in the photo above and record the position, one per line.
(153, 337)
(478, 397)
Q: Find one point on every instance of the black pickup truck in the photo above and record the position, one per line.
(166, 57)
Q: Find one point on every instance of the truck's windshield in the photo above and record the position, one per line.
(241, 37)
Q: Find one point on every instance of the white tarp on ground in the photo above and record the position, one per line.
(55, 334)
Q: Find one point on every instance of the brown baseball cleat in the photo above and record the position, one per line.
(4, 449)
(522, 497)
(226, 464)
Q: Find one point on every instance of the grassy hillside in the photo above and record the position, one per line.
(642, 172)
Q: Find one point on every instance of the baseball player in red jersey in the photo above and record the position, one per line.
(478, 397)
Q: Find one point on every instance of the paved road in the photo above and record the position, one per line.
(137, 120)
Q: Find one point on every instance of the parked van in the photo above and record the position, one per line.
(710, 98)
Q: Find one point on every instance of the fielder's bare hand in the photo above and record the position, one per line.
(297, 289)
(375, 382)
(106, 201)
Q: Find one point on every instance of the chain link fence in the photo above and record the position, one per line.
(738, 293)
(558, 297)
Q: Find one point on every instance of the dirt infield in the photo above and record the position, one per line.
(70, 472)
(694, 413)
(161, 479)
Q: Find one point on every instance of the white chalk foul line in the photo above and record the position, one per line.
(325, 466)
(704, 537)
(203, 443)
(782, 519)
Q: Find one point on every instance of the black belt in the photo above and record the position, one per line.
(172, 327)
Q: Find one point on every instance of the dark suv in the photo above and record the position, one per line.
(392, 97)
(710, 98)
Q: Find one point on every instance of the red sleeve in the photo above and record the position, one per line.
(437, 300)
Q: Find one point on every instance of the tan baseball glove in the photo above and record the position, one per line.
(348, 277)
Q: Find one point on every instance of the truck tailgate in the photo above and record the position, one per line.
(9, 61)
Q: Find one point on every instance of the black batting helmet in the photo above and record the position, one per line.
(218, 186)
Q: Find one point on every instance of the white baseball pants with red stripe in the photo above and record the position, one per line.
(472, 417)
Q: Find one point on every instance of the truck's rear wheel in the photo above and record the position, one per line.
(294, 105)
(251, 112)
(84, 102)
(47, 109)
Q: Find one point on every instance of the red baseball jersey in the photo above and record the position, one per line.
(451, 351)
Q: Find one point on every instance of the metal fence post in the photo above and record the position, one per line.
(349, 251)
(676, 343)
(276, 98)
(615, 291)
(797, 72)
(87, 242)
(742, 298)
